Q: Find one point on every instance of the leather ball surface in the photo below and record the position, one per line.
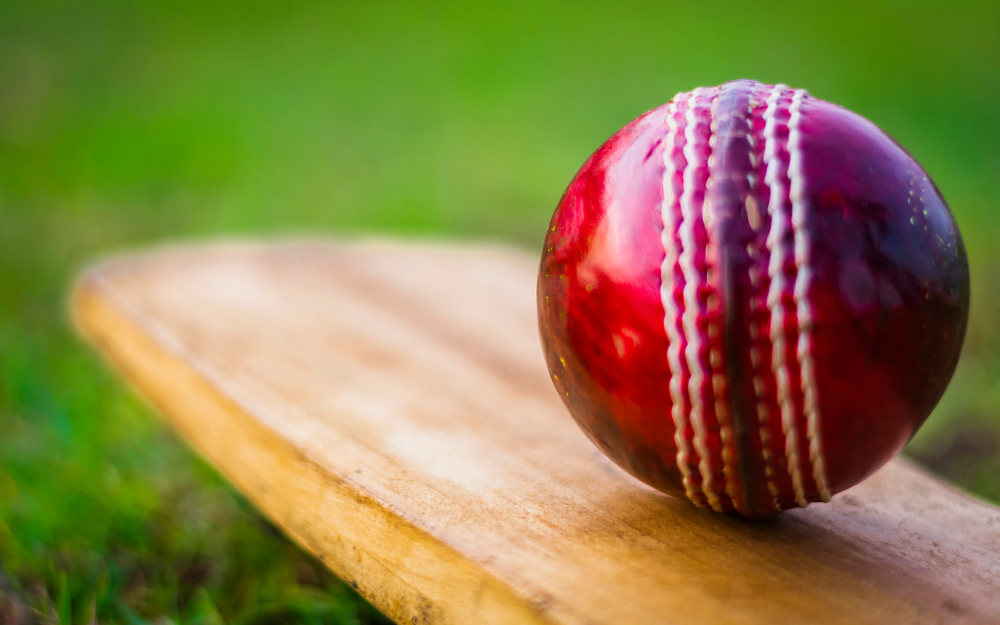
(751, 298)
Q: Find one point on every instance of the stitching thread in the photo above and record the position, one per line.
(803, 279)
(687, 462)
(756, 329)
(776, 178)
(694, 284)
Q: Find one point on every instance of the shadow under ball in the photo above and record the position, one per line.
(752, 298)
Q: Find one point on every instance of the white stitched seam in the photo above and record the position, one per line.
(693, 281)
(775, 177)
(672, 317)
(756, 329)
(803, 278)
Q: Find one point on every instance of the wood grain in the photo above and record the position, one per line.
(387, 404)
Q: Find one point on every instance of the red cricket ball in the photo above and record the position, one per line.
(752, 298)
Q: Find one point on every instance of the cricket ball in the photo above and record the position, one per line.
(752, 298)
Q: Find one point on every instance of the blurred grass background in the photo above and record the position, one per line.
(124, 123)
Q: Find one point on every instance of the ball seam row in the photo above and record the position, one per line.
(758, 283)
(785, 241)
(804, 312)
(671, 281)
(696, 287)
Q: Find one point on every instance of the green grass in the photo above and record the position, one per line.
(123, 123)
